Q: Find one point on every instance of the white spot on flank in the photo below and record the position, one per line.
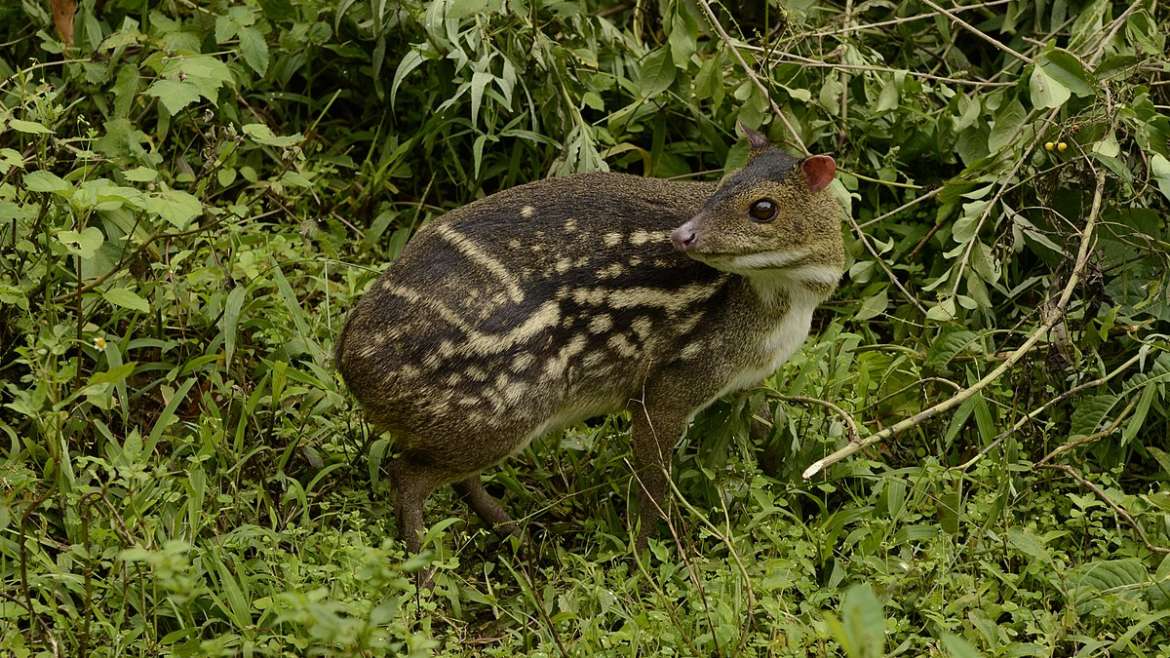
(521, 362)
(478, 342)
(640, 237)
(527, 212)
(600, 324)
(563, 265)
(642, 327)
(622, 345)
(611, 239)
(473, 253)
(570, 225)
(555, 367)
(592, 296)
(611, 271)
(671, 300)
(692, 350)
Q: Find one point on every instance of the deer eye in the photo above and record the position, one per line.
(763, 210)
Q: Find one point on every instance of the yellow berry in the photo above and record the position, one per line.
(1062, 147)
(1048, 146)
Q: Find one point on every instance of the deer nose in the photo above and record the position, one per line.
(683, 237)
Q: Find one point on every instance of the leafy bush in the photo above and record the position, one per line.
(192, 194)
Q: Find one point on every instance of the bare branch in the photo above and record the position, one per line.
(1086, 248)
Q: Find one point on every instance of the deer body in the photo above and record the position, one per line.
(548, 303)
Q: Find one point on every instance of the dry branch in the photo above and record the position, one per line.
(1083, 251)
(727, 41)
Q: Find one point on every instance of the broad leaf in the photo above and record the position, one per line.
(657, 73)
(126, 298)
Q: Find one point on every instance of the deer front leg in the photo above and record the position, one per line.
(656, 432)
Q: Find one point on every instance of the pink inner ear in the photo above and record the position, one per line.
(818, 171)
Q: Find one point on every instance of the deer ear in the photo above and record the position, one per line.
(818, 171)
(755, 139)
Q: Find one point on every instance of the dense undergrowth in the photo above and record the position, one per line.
(192, 194)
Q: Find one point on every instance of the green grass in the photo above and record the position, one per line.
(192, 196)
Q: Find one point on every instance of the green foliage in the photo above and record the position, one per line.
(193, 194)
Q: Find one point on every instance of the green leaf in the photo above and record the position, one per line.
(376, 455)
(173, 94)
(888, 99)
(657, 73)
(709, 82)
(1062, 67)
(948, 345)
(864, 622)
(177, 207)
(231, 318)
(203, 72)
(10, 158)
(1029, 544)
(1107, 146)
(1047, 91)
(682, 40)
(1090, 413)
(28, 127)
(966, 226)
(168, 414)
(254, 49)
(12, 296)
(944, 311)
(225, 28)
(1104, 577)
(140, 174)
(1007, 126)
(126, 298)
(957, 647)
(1139, 415)
(82, 244)
(1160, 170)
(262, 134)
(873, 305)
(45, 181)
(410, 62)
(113, 375)
(479, 80)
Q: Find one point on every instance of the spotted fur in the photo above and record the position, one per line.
(547, 303)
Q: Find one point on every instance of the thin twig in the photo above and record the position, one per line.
(1031, 415)
(1117, 509)
(872, 68)
(726, 38)
(909, 204)
(977, 32)
(882, 263)
(1055, 317)
(899, 21)
(854, 431)
(1091, 438)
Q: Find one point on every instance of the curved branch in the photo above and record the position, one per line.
(1083, 251)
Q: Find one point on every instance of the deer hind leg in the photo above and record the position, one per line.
(485, 505)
